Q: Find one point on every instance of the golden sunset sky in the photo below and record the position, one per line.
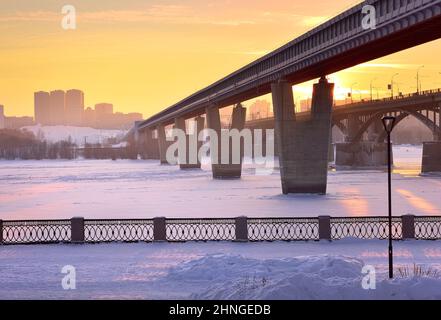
(144, 55)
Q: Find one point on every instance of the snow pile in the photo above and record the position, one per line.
(77, 134)
(225, 277)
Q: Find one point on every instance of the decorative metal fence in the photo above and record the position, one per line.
(79, 230)
(45, 231)
(200, 229)
(283, 229)
(118, 230)
(366, 228)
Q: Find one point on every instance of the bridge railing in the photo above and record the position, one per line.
(395, 98)
(79, 230)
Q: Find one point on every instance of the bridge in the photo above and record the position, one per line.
(363, 130)
(303, 144)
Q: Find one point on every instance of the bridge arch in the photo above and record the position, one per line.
(429, 123)
(403, 113)
(341, 126)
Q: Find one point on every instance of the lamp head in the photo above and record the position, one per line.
(388, 123)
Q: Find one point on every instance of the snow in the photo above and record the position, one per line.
(220, 270)
(77, 134)
(144, 189)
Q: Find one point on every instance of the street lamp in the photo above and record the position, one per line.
(371, 86)
(418, 79)
(389, 123)
(392, 85)
(352, 87)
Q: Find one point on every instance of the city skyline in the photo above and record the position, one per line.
(145, 57)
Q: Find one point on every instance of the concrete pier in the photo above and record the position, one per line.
(162, 144)
(228, 170)
(151, 146)
(375, 131)
(354, 125)
(359, 155)
(431, 157)
(303, 145)
(192, 144)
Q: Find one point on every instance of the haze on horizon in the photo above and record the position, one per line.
(143, 56)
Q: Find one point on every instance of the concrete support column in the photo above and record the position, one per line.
(159, 229)
(325, 228)
(303, 145)
(361, 155)
(331, 157)
(151, 145)
(77, 230)
(162, 144)
(241, 229)
(431, 157)
(192, 144)
(437, 123)
(228, 170)
(408, 223)
(375, 131)
(354, 125)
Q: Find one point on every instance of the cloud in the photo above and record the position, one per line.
(387, 65)
(32, 16)
(171, 14)
(313, 21)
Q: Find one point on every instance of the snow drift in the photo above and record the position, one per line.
(303, 278)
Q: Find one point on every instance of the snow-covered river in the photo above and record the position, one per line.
(144, 189)
(219, 270)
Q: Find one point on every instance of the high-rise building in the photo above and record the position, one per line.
(42, 107)
(89, 118)
(260, 109)
(57, 107)
(74, 107)
(2, 117)
(18, 122)
(103, 109)
(104, 115)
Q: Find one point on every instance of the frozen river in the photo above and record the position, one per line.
(215, 270)
(144, 189)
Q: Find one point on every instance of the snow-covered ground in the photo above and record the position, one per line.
(305, 270)
(222, 270)
(144, 189)
(77, 135)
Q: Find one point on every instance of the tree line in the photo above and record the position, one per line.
(24, 145)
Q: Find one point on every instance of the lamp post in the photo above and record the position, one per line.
(392, 85)
(389, 123)
(371, 87)
(418, 79)
(352, 87)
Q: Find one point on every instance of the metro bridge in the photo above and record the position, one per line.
(303, 142)
(363, 130)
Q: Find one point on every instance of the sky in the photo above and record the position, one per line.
(144, 55)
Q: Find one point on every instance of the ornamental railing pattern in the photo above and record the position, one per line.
(29, 232)
(428, 228)
(79, 230)
(283, 229)
(118, 230)
(200, 230)
(365, 228)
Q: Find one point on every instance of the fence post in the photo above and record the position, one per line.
(159, 229)
(1, 231)
(325, 228)
(408, 223)
(241, 225)
(77, 230)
